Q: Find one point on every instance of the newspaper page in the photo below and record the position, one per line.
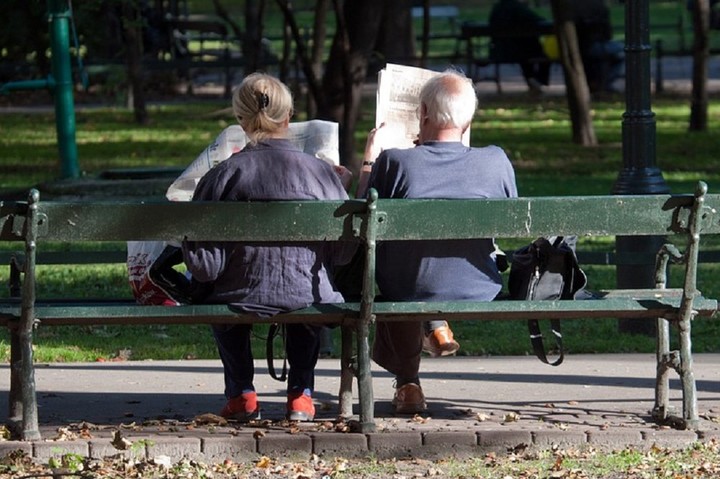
(315, 137)
(398, 102)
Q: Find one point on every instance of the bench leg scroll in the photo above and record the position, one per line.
(680, 361)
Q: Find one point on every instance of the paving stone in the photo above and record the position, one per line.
(102, 447)
(500, 440)
(175, 448)
(394, 444)
(444, 444)
(44, 450)
(616, 437)
(670, 438)
(343, 445)
(8, 447)
(558, 437)
(290, 446)
(236, 448)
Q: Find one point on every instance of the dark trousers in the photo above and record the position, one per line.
(302, 345)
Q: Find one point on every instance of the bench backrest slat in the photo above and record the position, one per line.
(532, 217)
(221, 221)
(331, 220)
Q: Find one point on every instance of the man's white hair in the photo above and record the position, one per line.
(450, 99)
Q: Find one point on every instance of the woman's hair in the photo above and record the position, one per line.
(450, 99)
(261, 105)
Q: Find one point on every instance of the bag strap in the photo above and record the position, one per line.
(275, 330)
(536, 338)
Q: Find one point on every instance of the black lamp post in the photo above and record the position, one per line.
(639, 174)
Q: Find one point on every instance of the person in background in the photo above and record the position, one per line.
(440, 166)
(266, 279)
(526, 50)
(603, 58)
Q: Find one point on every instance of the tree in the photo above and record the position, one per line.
(337, 93)
(701, 53)
(577, 91)
(132, 29)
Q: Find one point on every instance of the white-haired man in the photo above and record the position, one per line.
(440, 166)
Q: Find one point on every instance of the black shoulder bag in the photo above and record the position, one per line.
(546, 269)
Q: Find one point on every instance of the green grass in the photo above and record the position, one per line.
(536, 136)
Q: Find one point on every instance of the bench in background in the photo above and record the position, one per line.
(684, 217)
(480, 53)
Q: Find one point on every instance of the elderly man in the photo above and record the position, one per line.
(440, 166)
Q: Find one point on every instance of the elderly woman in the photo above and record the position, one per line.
(266, 279)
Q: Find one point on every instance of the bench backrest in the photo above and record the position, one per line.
(392, 219)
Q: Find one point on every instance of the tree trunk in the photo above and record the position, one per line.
(133, 56)
(338, 95)
(396, 39)
(425, 51)
(318, 49)
(577, 91)
(358, 26)
(252, 43)
(701, 53)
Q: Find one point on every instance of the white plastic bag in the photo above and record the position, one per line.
(141, 255)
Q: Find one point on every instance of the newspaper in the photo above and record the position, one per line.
(315, 137)
(398, 103)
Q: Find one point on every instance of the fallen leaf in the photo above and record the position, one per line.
(511, 417)
(210, 418)
(119, 442)
(481, 417)
(162, 461)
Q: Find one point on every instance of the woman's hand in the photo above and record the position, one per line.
(345, 176)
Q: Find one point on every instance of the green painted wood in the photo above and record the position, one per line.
(625, 304)
(542, 216)
(220, 221)
(322, 220)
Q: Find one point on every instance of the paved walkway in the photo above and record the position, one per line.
(476, 405)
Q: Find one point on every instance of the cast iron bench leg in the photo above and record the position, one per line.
(30, 430)
(347, 369)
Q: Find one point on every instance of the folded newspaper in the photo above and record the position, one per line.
(315, 137)
(398, 103)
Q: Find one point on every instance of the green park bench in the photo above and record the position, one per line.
(682, 218)
(480, 51)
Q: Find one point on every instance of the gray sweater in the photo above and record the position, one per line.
(267, 278)
(441, 270)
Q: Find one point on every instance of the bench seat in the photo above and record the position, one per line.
(615, 303)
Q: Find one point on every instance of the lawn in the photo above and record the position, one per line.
(535, 135)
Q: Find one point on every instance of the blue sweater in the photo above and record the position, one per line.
(441, 270)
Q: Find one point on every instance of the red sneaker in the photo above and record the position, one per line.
(242, 408)
(300, 407)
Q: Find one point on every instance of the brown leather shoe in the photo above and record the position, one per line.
(440, 342)
(409, 399)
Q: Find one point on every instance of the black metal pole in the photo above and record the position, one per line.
(639, 174)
